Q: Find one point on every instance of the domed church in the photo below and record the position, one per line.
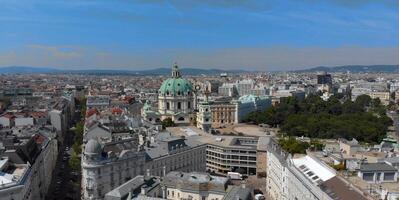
(175, 100)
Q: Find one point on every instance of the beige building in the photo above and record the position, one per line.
(243, 154)
(223, 113)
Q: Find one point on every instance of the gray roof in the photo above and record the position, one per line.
(134, 186)
(376, 167)
(393, 160)
(195, 182)
(237, 192)
(263, 143)
(164, 144)
(93, 147)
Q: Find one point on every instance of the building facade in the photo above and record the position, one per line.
(106, 166)
(175, 101)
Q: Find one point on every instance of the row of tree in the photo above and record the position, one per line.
(74, 160)
(364, 119)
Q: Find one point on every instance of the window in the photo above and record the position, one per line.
(179, 105)
(167, 105)
(389, 176)
(188, 105)
(368, 176)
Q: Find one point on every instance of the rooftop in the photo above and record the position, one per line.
(195, 135)
(314, 170)
(376, 167)
(339, 190)
(196, 181)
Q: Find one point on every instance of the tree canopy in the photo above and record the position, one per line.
(168, 122)
(364, 119)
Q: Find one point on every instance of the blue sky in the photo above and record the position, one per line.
(231, 34)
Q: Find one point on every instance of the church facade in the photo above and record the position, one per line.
(175, 101)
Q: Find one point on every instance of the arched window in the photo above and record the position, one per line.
(179, 105)
(181, 119)
(167, 105)
(188, 105)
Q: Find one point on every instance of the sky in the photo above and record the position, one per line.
(265, 35)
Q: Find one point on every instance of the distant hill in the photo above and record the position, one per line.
(26, 70)
(157, 71)
(355, 69)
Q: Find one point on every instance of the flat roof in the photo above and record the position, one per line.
(198, 136)
(313, 169)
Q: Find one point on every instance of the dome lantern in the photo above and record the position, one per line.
(175, 71)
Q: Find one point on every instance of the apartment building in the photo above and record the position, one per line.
(110, 164)
(246, 155)
(304, 177)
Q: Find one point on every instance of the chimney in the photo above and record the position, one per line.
(143, 190)
(243, 185)
(163, 192)
(148, 173)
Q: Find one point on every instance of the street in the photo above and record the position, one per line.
(395, 117)
(65, 184)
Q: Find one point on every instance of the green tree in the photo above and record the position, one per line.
(312, 117)
(363, 100)
(74, 162)
(316, 145)
(293, 146)
(168, 122)
(76, 147)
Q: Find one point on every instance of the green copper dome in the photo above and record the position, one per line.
(176, 85)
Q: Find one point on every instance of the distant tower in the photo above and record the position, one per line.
(204, 115)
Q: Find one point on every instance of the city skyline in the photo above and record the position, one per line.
(255, 35)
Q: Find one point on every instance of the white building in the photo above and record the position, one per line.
(98, 101)
(250, 103)
(227, 89)
(23, 180)
(108, 165)
(304, 177)
(23, 121)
